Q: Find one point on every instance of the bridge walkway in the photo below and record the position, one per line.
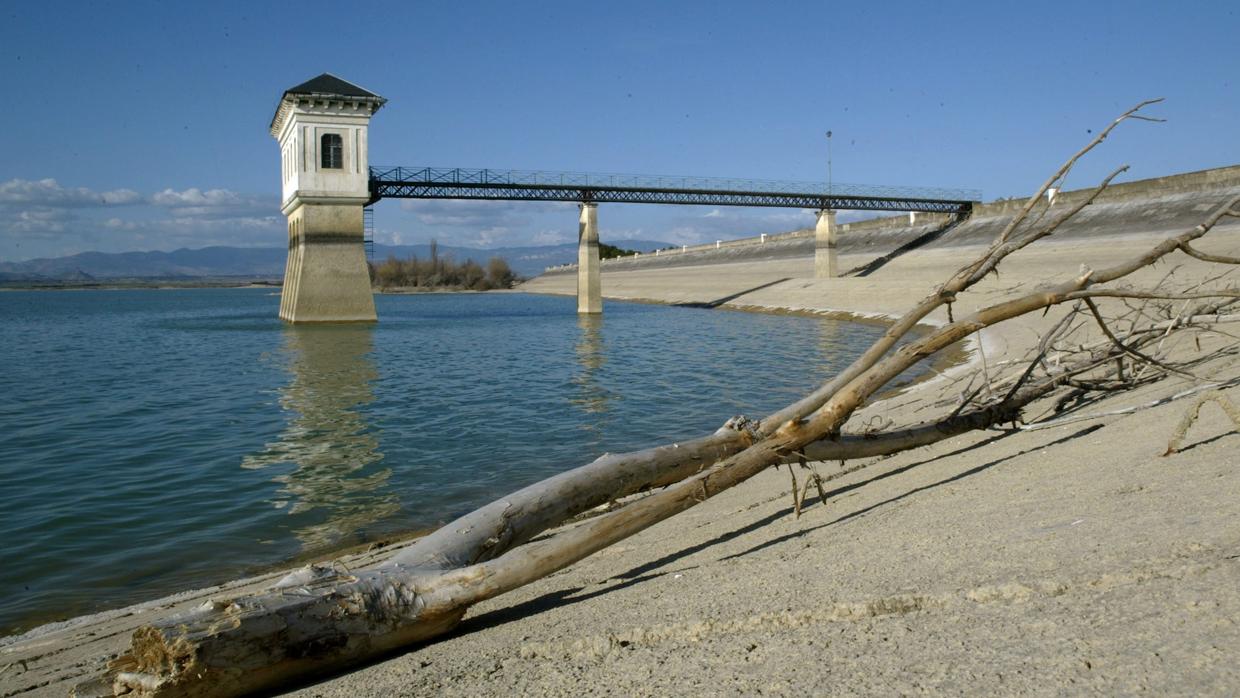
(584, 187)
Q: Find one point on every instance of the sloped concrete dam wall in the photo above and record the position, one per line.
(1148, 206)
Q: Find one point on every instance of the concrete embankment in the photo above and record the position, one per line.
(879, 272)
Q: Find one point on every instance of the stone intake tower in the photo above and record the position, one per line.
(322, 126)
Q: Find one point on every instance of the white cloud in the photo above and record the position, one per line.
(223, 224)
(118, 224)
(41, 218)
(384, 236)
(487, 237)
(550, 237)
(213, 203)
(196, 197)
(682, 235)
(49, 193)
(607, 234)
(481, 215)
(39, 221)
(122, 197)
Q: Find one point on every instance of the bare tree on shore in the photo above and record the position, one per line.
(442, 272)
(323, 618)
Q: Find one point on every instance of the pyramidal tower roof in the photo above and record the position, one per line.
(324, 87)
(328, 84)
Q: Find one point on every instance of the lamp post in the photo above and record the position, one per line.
(830, 189)
(825, 265)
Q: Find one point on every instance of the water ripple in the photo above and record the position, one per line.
(160, 439)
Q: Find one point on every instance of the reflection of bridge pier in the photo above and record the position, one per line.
(830, 338)
(592, 396)
(326, 451)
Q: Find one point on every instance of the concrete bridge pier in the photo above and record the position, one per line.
(825, 264)
(589, 267)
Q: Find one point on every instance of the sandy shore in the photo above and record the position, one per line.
(1061, 560)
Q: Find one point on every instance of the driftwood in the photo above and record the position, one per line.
(321, 619)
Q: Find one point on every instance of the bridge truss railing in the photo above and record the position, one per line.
(462, 183)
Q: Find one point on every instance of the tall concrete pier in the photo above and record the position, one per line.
(589, 267)
(322, 127)
(825, 264)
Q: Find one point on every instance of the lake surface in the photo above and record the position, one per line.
(158, 440)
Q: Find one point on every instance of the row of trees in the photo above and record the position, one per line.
(606, 251)
(442, 272)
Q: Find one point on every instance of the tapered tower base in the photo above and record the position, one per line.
(326, 278)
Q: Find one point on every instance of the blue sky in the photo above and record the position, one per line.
(134, 126)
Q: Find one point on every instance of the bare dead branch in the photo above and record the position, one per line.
(1043, 346)
(1064, 169)
(1102, 324)
(1008, 247)
(1207, 257)
(1150, 295)
(1034, 426)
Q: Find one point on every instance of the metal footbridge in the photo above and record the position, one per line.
(583, 187)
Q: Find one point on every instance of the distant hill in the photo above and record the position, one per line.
(263, 262)
(257, 262)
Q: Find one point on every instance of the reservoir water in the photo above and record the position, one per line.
(158, 440)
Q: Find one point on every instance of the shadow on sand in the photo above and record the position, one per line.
(651, 570)
(720, 301)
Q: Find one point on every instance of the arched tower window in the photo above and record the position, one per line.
(332, 151)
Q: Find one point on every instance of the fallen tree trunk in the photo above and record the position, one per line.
(495, 528)
(320, 619)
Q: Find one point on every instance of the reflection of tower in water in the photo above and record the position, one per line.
(591, 396)
(326, 451)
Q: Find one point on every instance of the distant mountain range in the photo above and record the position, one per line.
(263, 262)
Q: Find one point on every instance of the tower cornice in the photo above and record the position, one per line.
(328, 93)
